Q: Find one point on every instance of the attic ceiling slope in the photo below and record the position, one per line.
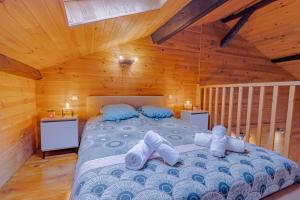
(275, 31)
(35, 32)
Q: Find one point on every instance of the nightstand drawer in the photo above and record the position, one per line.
(59, 134)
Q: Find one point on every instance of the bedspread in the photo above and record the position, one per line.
(101, 172)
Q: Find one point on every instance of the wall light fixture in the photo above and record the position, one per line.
(125, 62)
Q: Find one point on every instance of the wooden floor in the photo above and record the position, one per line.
(40, 179)
(51, 178)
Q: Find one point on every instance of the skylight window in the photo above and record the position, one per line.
(86, 11)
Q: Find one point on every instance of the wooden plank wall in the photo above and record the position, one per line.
(274, 30)
(17, 123)
(239, 62)
(170, 69)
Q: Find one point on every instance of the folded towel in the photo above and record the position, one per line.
(153, 140)
(203, 139)
(219, 131)
(218, 145)
(233, 144)
(138, 155)
(162, 147)
(169, 154)
(236, 145)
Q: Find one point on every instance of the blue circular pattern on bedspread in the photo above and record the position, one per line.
(114, 144)
(193, 196)
(140, 179)
(126, 195)
(238, 176)
(99, 189)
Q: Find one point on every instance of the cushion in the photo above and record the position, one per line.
(156, 112)
(115, 112)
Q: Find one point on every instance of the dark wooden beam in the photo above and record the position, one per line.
(286, 59)
(235, 29)
(191, 13)
(244, 16)
(247, 10)
(12, 66)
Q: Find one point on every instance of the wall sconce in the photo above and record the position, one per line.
(74, 98)
(124, 62)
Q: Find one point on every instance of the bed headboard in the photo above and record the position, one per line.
(94, 103)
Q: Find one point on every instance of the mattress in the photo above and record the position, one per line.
(101, 173)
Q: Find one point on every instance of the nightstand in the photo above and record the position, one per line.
(59, 133)
(196, 117)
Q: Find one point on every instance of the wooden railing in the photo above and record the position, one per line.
(209, 98)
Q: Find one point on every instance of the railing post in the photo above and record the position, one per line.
(200, 97)
(204, 99)
(289, 120)
(273, 118)
(210, 106)
(216, 107)
(230, 110)
(260, 115)
(223, 105)
(249, 109)
(239, 112)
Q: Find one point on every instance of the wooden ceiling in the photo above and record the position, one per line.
(36, 33)
(275, 31)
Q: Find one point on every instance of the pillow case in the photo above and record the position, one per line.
(156, 112)
(115, 112)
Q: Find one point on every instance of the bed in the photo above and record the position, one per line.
(101, 172)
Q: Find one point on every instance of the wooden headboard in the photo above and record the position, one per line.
(95, 103)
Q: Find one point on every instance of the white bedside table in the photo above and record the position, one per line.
(195, 117)
(59, 133)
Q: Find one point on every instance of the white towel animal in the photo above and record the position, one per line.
(138, 155)
(162, 147)
(233, 144)
(218, 143)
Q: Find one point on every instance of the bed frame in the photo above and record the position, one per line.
(95, 103)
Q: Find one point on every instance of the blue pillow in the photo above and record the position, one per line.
(156, 112)
(116, 112)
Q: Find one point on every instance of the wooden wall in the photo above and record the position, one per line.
(17, 123)
(239, 62)
(170, 70)
(274, 30)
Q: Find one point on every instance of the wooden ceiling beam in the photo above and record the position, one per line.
(230, 35)
(286, 58)
(244, 16)
(250, 9)
(12, 66)
(189, 14)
